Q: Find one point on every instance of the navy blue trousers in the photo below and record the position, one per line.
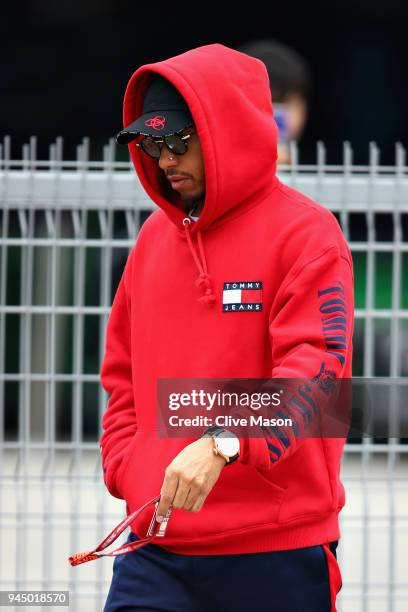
(153, 579)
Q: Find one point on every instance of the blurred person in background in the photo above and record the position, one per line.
(290, 82)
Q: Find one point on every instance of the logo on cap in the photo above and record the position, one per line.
(157, 123)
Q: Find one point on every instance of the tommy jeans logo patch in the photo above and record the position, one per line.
(238, 296)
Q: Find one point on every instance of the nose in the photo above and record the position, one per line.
(167, 158)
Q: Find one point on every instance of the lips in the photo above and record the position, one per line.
(177, 181)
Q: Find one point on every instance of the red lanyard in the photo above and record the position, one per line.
(152, 532)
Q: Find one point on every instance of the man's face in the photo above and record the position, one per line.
(185, 173)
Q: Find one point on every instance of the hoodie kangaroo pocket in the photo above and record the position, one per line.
(264, 476)
(240, 499)
(256, 500)
(125, 461)
(143, 469)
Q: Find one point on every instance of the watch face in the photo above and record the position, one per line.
(227, 443)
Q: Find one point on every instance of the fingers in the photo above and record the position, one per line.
(167, 494)
(180, 492)
(183, 490)
(195, 504)
(189, 478)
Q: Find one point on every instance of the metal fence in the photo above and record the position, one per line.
(66, 228)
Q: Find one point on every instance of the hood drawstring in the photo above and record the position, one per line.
(203, 279)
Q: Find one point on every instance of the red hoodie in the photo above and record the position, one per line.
(168, 320)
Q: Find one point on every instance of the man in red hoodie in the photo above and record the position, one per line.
(254, 520)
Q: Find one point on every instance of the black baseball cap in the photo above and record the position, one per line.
(164, 112)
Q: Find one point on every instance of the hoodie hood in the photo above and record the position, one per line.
(229, 97)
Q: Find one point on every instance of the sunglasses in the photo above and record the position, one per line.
(174, 142)
(155, 530)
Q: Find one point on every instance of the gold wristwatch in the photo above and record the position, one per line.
(226, 443)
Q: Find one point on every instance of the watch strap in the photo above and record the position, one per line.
(213, 431)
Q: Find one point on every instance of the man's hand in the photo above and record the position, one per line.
(190, 477)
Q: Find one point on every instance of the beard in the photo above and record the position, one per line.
(194, 200)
